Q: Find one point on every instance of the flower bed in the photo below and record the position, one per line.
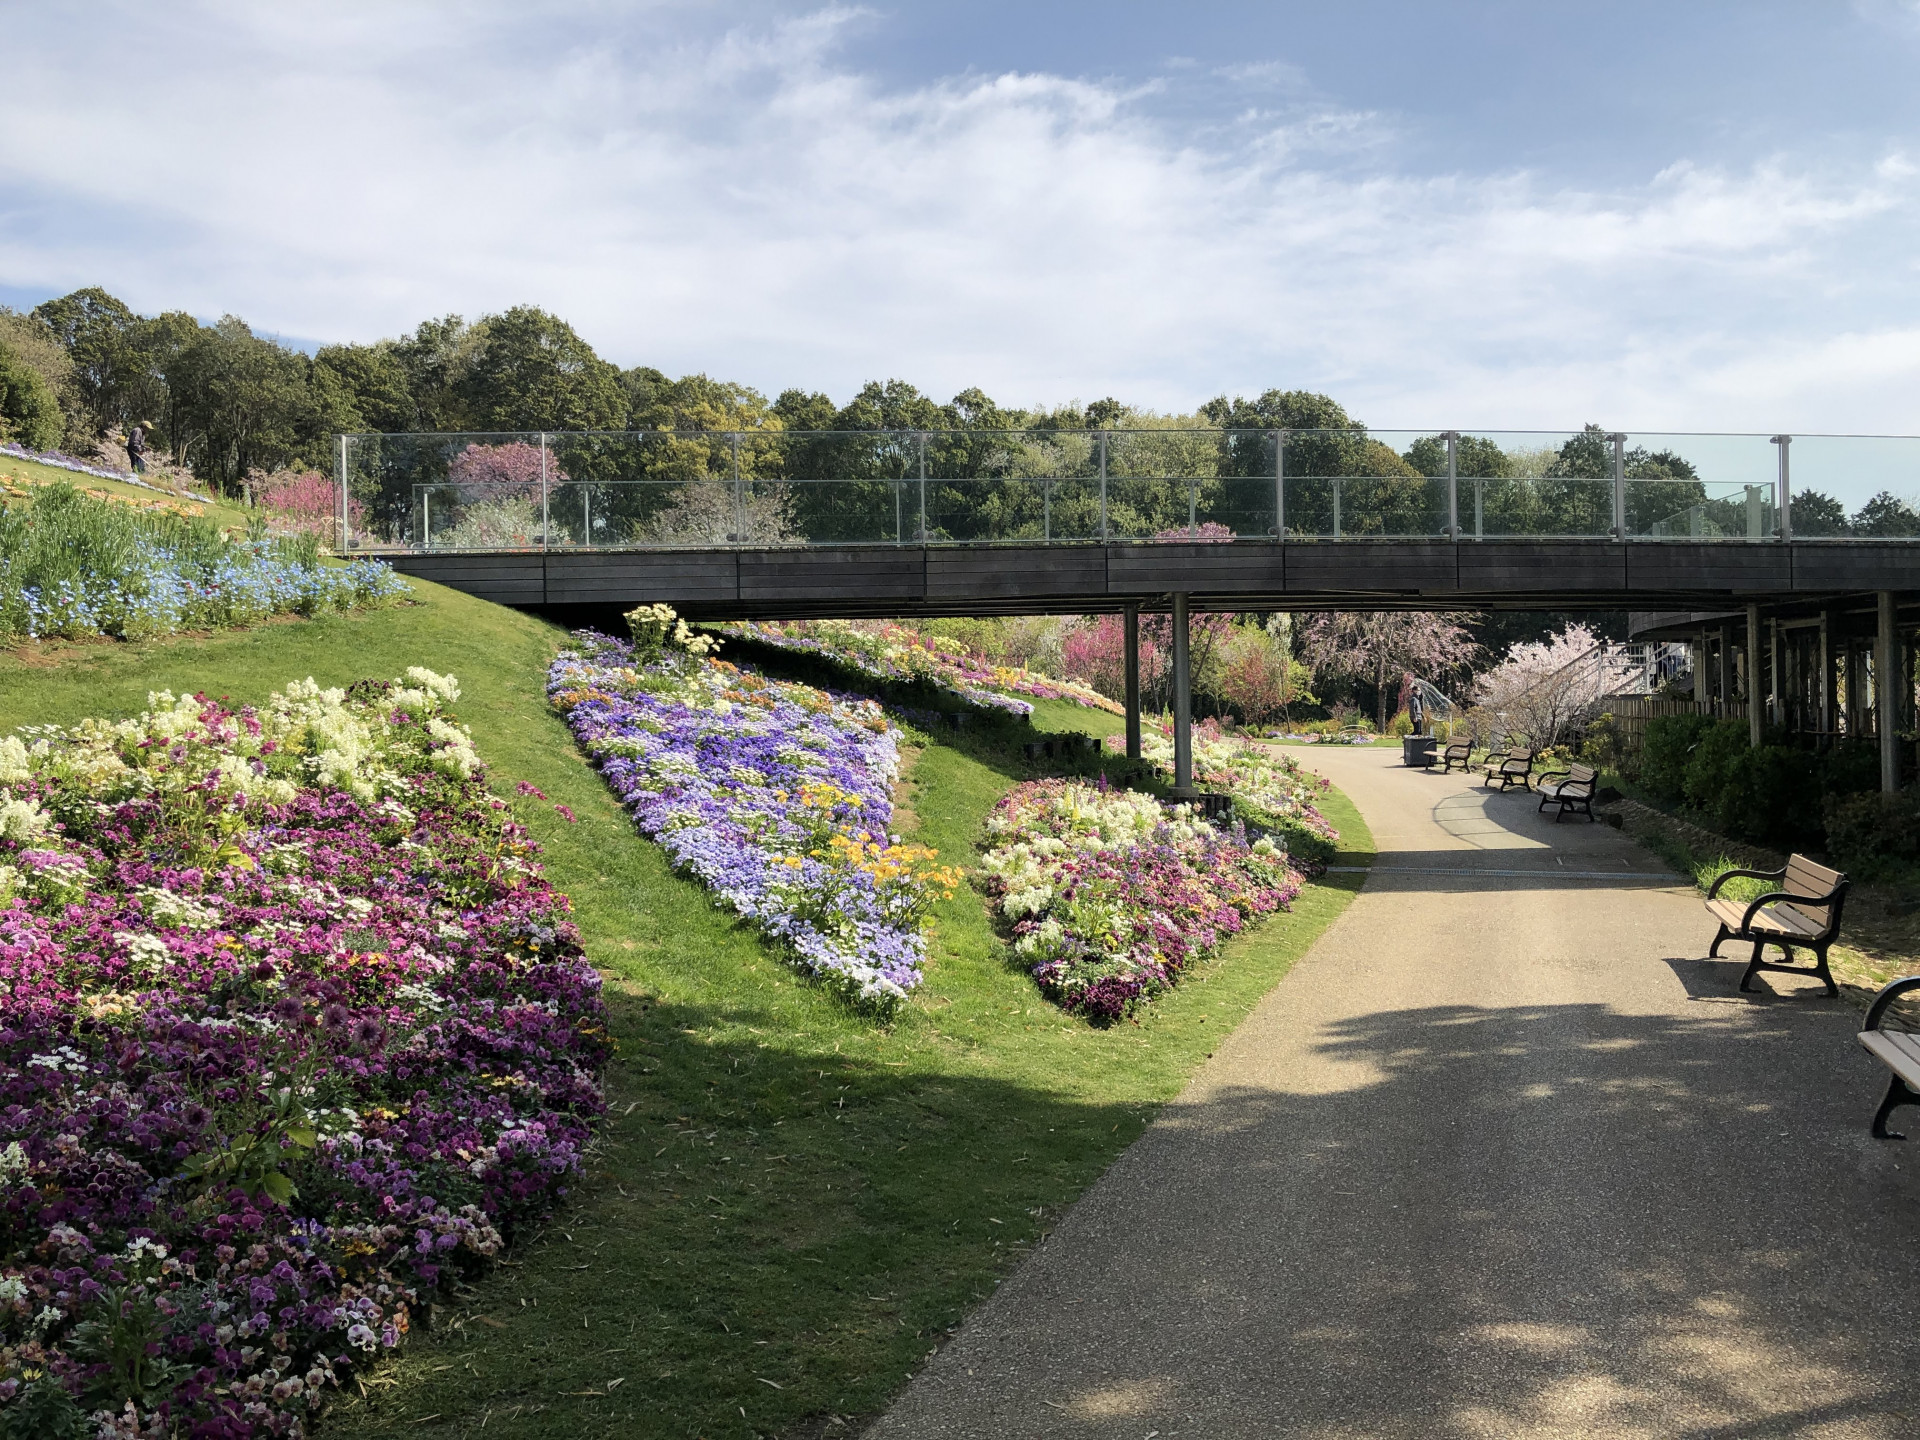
(1269, 788)
(1111, 894)
(896, 654)
(292, 1034)
(777, 796)
(76, 567)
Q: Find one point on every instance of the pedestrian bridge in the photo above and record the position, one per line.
(788, 523)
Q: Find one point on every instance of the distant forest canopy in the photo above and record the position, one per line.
(228, 403)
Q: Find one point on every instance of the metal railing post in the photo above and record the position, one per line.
(1280, 485)
(543, 490)
(1452, 438)
(1619, 487)
(1479, 495)
(1336, 507)
(1046, 508)
(426, 519)
(923, 487)
(1103, 487)
(1785, 497)
(1193, 507)
(340, 481)
(739, 535)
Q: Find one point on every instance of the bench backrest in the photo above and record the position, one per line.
(1804, 879)
(1459, 748)
(1582, 774)
(1520, 755)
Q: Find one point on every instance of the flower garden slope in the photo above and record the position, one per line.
(1111, 894)
(294, 1034)
(775, 795)
(1269, 788)
(897, 654)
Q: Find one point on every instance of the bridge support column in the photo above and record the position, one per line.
(1130, 639)
(1182, 701)
(1754, 696)
(1886, 694)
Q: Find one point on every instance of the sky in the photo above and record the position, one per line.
(1667, 217)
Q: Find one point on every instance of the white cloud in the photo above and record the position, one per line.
(740, 201)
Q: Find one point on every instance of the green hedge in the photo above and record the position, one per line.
(1769, 794)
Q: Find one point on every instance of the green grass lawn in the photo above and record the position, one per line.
(790, 1206)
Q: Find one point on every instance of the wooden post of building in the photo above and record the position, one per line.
(1130, 639)
(1723, 691)
(1753, 675)
(1827, 697)
(1886, 692)
(1182, 701)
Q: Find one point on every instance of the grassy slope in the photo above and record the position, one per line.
(26, 474)
(786, 1193)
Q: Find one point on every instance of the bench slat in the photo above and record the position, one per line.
(1898, 1051)
(1776, 919)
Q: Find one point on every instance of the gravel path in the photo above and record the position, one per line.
(1503, 1156)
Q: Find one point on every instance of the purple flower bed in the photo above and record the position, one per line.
(777, 796)
(291, 1034)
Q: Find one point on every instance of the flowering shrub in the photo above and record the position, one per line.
(291, 1033)
(303, 502)
(1268, 786)
(75, 567)
(896, 654)
(776, 796)
(1112, 894)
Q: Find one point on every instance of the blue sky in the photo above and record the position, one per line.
(1660, 217)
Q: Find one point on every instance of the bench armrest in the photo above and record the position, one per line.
(1765, 900)
(1714, 889)
(1886, 998)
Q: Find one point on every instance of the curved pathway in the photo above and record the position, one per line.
(1503, 1156)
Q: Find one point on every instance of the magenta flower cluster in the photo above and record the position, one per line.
(292, 1033)
(1111, 895)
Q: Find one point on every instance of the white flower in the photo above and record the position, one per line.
(13, 1164)
(12, 1290)
(144, 951)
(23, 820)
(13, 760)
(167, 907)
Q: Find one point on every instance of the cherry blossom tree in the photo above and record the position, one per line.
(1547, 689)
(1382, 645)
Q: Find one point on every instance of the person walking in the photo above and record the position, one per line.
(137, 445)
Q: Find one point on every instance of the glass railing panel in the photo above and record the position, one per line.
(981, 511)
(1864, 487)
(1700, 487)
(855, 512)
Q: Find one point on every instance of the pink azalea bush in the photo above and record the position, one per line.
(291, 1034)
(304, 502)
(1111, 895)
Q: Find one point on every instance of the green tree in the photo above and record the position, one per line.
(362, 388)
(29, 411)
(103, 338)
(1816, 513)
(36, 347)
(240, 402)
(435, 359)
(533, 372)
(1888, 516)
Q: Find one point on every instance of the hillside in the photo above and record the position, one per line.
(790, 1205)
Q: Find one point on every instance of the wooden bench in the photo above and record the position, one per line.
(1898, 1050)
(1572, 788)
(1460, 753)
(1515, 767)
(1804, 911)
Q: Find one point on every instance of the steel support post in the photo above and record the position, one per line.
(1776, 689)
(1886, 694)
(1452, 437)
(1723, 692)
(543, 489)
(1130, 638)
(1785, 497)
(1753, 675)
(1182, 701)
(923, 487)
(1620, 487)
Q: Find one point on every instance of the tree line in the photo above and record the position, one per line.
(227, 402)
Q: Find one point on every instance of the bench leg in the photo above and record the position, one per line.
(1826, 975)
(1898, 1094)
(1753, 967)
(1713, 951)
